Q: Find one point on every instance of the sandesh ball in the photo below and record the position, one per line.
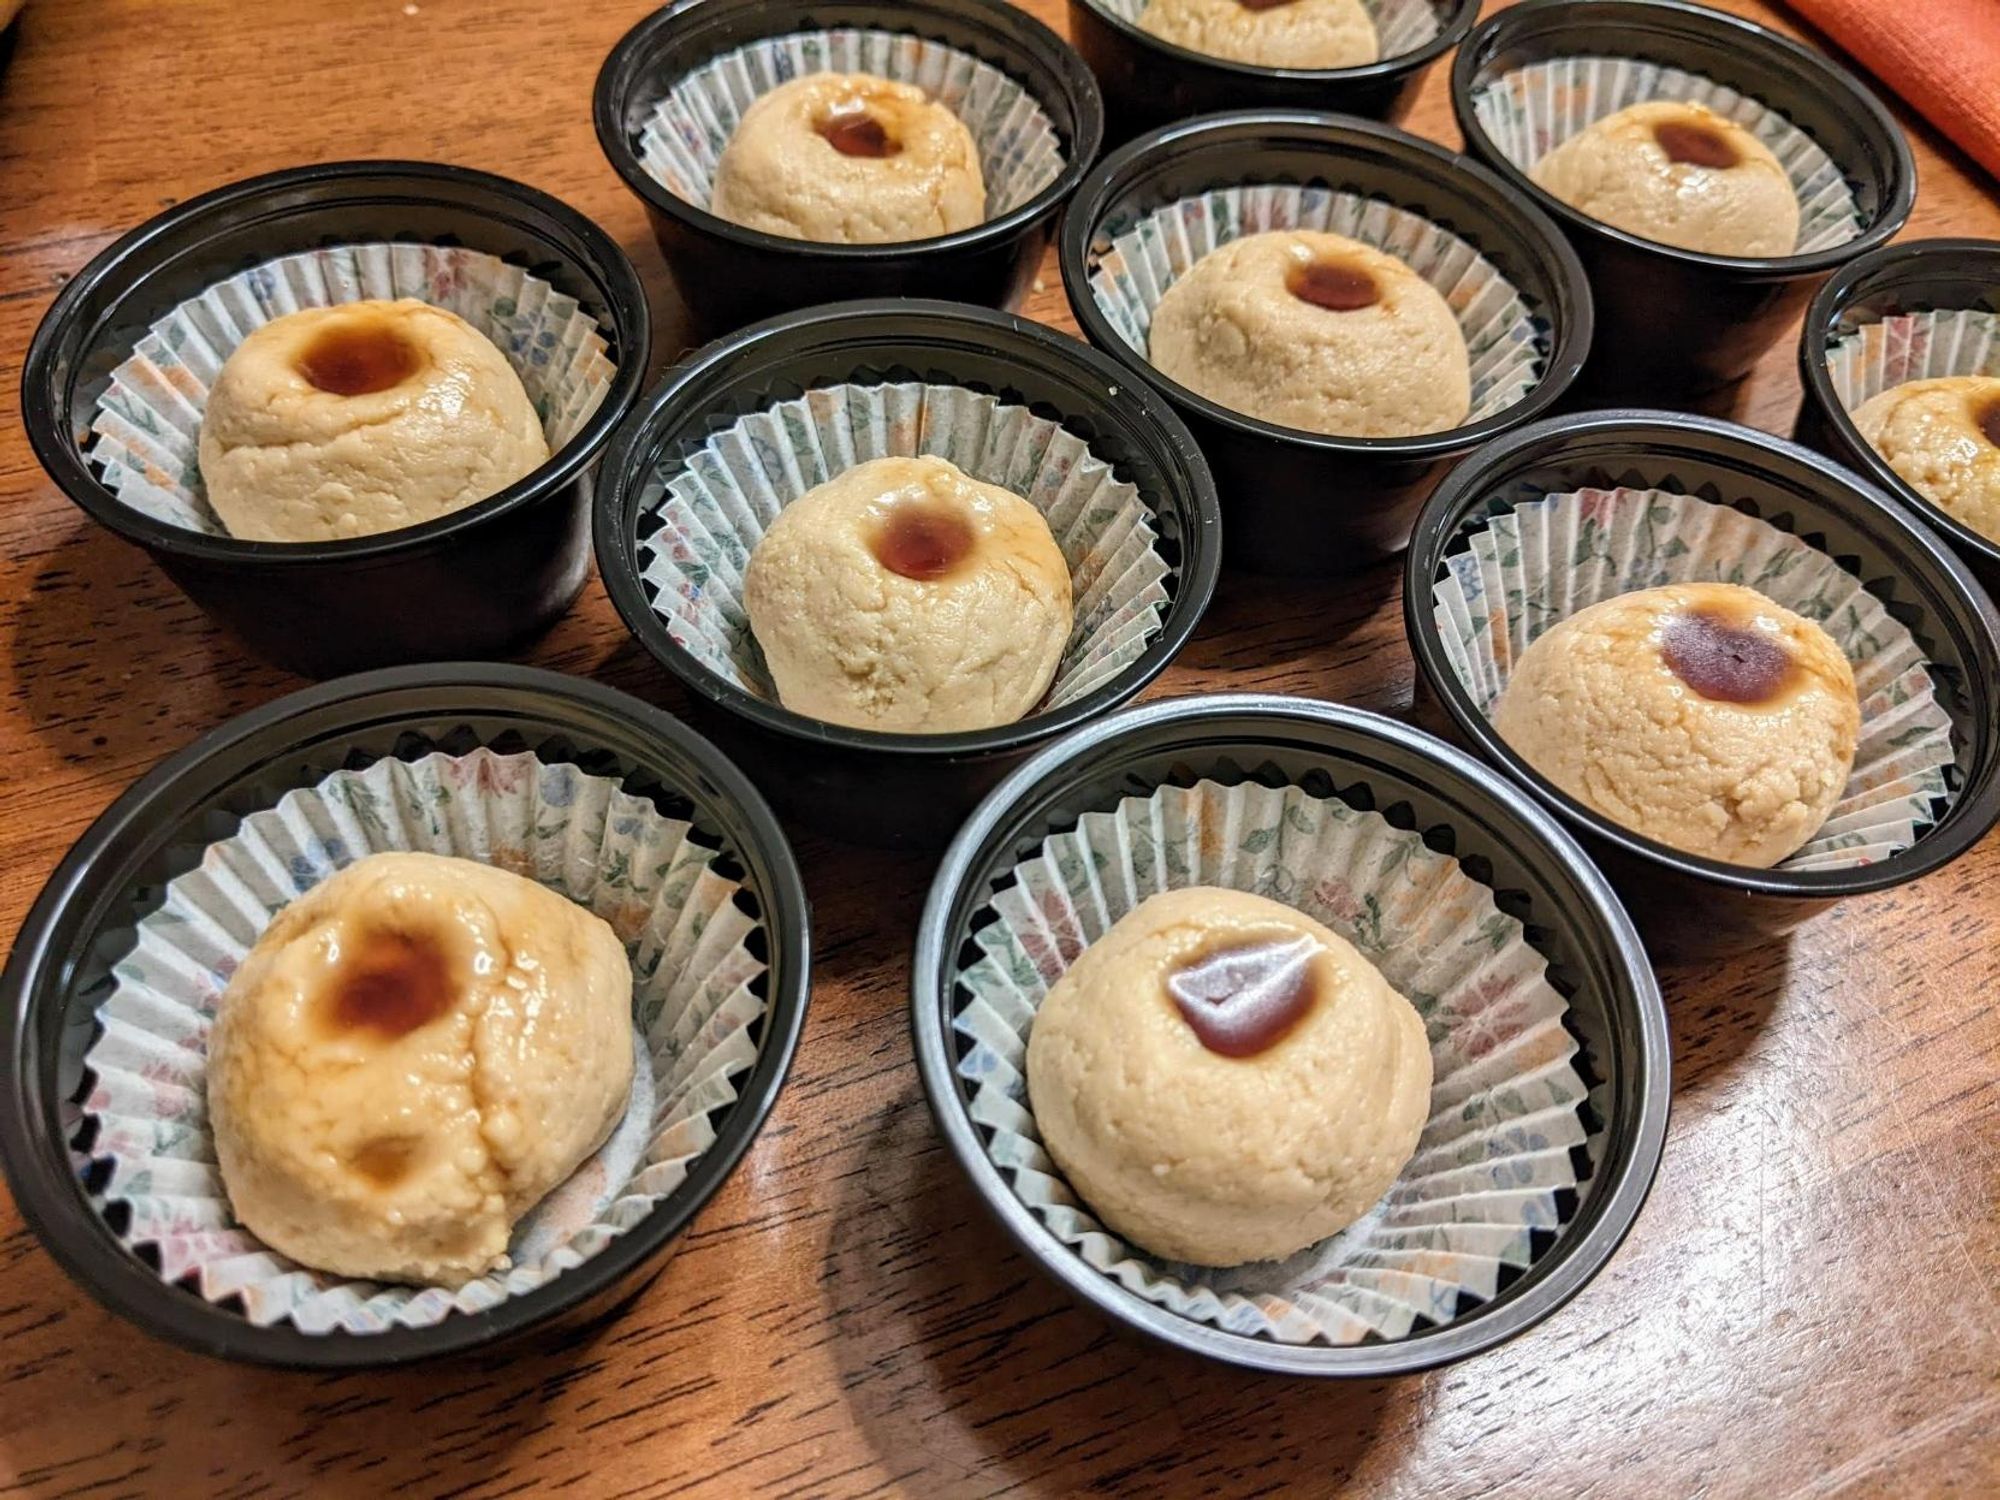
(1224, 1079)
(1703, 716)
(365, 417)
(415, 1053)
(1268, 33)
(1943, 437)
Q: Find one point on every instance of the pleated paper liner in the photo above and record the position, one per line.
(1869, 359)
(1506, 342)
(695, 1014)
(1529, 112)
(1019, 151)
(1400, 25)
(1495, 1171)
(146, 431)
(710, 504)
(1535, 566)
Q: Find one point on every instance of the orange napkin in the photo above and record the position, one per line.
(1943, 56)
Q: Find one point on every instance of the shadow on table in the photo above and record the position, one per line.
(963, 1364)
(1719, 1010)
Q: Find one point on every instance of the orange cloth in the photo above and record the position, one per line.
(1943, 56)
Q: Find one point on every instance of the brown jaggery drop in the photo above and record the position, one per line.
(357, 357)
(1725, 662)
(1338, 286)
(1248, 997)
(1696, 144)
(1256, 5)
(1987, 420)
(386, 1160)
(853, 131)
(922, 540)
(389, 984)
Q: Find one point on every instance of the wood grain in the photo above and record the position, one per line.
(1808, 1304)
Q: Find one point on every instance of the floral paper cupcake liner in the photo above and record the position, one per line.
(1020, 153)
(1529, 112)
(696, 1015)
(1134, 262)
(1496, 1172)
(146, 431)
(1401, 26)
(1536, 565)
(710, 505)
(1869, 359)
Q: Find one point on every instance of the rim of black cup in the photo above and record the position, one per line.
(626, 65)
(1881, 269)
(683, 395)
(1450, 34)
(1565, 1269)
(1668, 18)
(47, 391)
(1569, 346)
(1934, 569)
(66, 914)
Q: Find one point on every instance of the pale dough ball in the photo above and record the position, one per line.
(1701, 715)
(1283, 34)
(371, 416)
(905, 595)
(1943, 437)
(1680, 174)
(411, 1057)
(1242, 327)
(1280, 1121)
(850, 159)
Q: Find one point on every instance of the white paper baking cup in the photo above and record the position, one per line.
(146, 431)
(1507, 345)
(1870, 359)
(1537, 565)
(1532, 110)
(694, 1012)
(1493, 1174)
(1019, 152)
(713, 503)
(1400, 25)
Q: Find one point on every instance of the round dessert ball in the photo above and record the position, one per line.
(371, 416)
(850, 159)
(412, 1056)
(1224, 1080)
(1678, 173)
(1701, 715)
(905, 595)
(1318, 332)
(1943, 437)
(1268, 33)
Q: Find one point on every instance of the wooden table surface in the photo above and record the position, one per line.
(1806, 1307)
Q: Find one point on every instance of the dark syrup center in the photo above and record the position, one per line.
(389, 984)
(1697, 145)
(1332, 284)
(1725, 662)
(921, 539)
(1988, 421)
(1246, 998)
(852, 131)
(357, 358)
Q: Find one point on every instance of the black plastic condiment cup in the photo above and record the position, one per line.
(1690, 907)
(82, 923)
(730, 275)
(1679, 326)
(481, 581)
(1909, 277)
(865, 785)
(1492, 826)
(1149, 81)
(1300, 502)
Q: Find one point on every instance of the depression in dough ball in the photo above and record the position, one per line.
(1315, 331)
(1678, 173)
(905, 595)
(1268, 33)
(1703, 716)
(1223, 1079)
(1943, 437)
(345, 421)
(411, 1057)
(850, 159)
